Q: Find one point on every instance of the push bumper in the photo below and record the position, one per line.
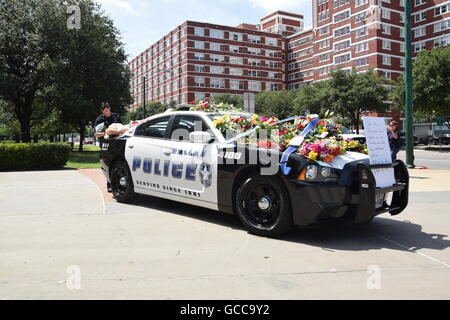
(366, 198)
(354, 197)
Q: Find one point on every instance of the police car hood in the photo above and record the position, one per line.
(340, 161)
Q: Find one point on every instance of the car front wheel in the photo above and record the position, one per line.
(121, 182)
(263, 207)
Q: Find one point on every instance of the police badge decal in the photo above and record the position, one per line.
(205, 174)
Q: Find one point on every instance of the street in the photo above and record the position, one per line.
(438, 160)
(159, 249)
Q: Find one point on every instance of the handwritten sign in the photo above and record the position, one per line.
(379, 150)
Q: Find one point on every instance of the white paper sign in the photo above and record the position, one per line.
(379, 150)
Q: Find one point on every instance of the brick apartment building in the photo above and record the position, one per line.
(198, 60)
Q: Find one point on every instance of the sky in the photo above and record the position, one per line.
(143, 22)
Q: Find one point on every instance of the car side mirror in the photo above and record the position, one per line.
(200, 137)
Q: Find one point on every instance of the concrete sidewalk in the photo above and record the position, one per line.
(158, 249)
(63, 192)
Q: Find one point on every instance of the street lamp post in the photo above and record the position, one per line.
(408, 88)
(145, 87)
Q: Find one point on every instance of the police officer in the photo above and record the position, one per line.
(107, 118)
(102, 123)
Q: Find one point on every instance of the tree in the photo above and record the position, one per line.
(237, 101)
(24, 56)
(151, 108)
(278, 103)
(431, 78)
(352, 93)
(314, 97)
(90, 68)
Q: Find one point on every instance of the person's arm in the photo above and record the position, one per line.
(98, 134)
(395, 134)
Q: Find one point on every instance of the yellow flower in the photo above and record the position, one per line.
(324, 129)
(218, 122)
(255, 116)
(353, 144)
(312, 155)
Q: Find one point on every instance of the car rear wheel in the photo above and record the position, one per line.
(121, 182)
(263, 206)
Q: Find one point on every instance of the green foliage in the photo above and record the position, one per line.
(151, 109)
(431, 79)
(352, 93)
(314, 97)
(33, 156)
(72, 71)
(88, 159)
(279, 103)
(226, 98)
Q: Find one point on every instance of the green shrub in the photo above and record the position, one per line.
(37, 156)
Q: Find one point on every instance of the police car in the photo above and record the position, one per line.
(181, 156)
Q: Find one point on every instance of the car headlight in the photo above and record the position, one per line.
(317, 173)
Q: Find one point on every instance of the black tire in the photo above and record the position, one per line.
(122, 190)
(272, 221)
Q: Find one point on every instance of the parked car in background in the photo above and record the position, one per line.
(348, 134)
(88, 141)
(403, 139)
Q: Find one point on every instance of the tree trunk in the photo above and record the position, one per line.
(82, 129)
(23, 110)
(357, 122)
(25, 135)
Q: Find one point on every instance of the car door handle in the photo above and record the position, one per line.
(131, 147)
(167, 152)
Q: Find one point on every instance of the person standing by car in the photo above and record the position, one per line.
(394, 135)
(102, 123)
(107, 118)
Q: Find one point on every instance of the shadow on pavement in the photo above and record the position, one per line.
(328, 236)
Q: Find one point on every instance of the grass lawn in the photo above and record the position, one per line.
(87, 159)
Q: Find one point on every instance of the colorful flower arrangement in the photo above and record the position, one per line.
(323, 142)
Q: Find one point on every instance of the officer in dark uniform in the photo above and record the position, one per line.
(107, 118)
(102, 123)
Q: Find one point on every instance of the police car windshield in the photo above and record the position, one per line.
(230, 134)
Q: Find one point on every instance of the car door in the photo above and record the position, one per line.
(197, 160)
(146, 154)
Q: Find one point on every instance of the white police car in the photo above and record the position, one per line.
(181, 156)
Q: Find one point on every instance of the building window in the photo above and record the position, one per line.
(342, 46)
(359, 3)
(217, 83)
(440, 26)
(218, 34)
(442, 42)
(199, 81)
(341, 32)
(420, 17)
(341, 16)
(254, 85)
(386, 45)
(363, 46)
(342, 59)
(420, 32)
(441, 10)
(387, 60)
(361, 32)
(324, 44)
(386, 29)
(199, 45)
(420, 46)
(362, 61)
